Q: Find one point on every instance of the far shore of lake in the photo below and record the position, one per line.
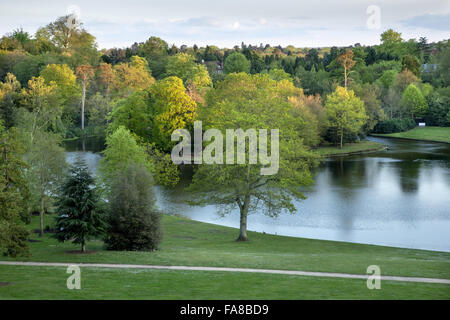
(431, 134)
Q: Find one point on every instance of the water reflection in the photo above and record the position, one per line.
(399, 197)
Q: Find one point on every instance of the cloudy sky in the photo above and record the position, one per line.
(311, 23)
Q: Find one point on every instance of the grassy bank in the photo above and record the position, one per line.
(350, 148)
(192, 243)
(436, 134)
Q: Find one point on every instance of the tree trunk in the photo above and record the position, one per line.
(83, 98)
(243, 221)
(342, 137)
(83, 247)
(41, 217)
(345, 77)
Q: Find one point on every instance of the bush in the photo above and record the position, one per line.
(394, 125)
(134, 222)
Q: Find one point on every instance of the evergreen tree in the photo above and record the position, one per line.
(80, 213)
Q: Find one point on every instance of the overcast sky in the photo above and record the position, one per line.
(311, 23)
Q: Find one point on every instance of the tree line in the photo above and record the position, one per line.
(57, 85)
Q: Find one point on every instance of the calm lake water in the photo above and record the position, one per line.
(399, 197)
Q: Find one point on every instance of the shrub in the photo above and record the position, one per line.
(394, 125)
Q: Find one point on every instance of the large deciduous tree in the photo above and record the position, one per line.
(47, 163)
(413, 101)
(236, 62)
(133, 76)
(183, 66)
(244, 102)
(121, 151)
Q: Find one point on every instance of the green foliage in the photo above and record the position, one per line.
(183, 66)
(394, 125)
(370, 94)
(438, 110)
(345, 112)
(64, 78)
(47, 162)
(279, 74)
(172, 108)
(387, 78)
(14, 194)
(134, 222)
(132, 76)
(121, 151)
(155, 51)
(413, 101)
(412, 64)
(133, 112)
(245, 101)
(80, 213)
(236, 62)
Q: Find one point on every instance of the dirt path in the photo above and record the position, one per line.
(187, 268)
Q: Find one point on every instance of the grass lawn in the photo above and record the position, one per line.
(348, 148)
(438, 134)
(192, 243)
(103, 283)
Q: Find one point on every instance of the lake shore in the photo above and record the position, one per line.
(431, 134)
(363, 146)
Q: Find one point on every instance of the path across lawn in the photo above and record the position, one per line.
(187, 268)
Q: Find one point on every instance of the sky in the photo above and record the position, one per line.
(311, 23)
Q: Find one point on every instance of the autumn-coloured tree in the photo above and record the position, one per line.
(105, 76)
(133, 76)
(84, 74)
(346, 60)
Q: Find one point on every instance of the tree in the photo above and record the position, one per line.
(121, 151)
(155, 50)
(345, 111)
(80, 213)
(106, 77)
(370, 94)
(236, 62)
(347, 62)
(279, 74)
(14, 194)
(61, 36)
(134, 222)
(413, 101)
(133, 76)
(172, 109)
(43, 103)
(84, 73)
(412, 64)
(245, 101)
(390, 36)
(183, 66)
(403, 80)
(134, 113)
(64, 78)
(9, 99)
(47, 163)
(387, 79)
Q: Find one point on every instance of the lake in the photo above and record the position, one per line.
(399, 197)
